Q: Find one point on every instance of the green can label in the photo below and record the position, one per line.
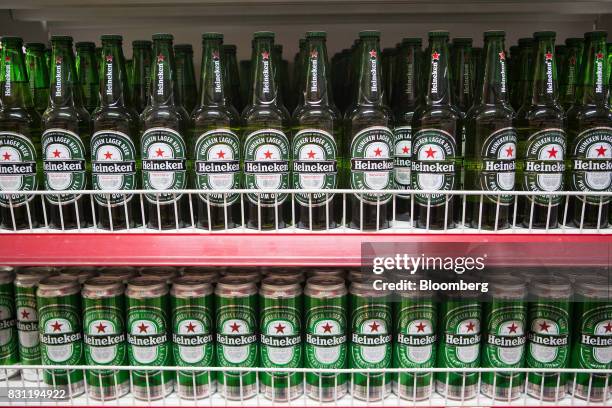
(17, 167)
(280, 338)
(326, 337)
(236, 337)
(371, 336)
(506, 337)
(64, 164)
(402, 137)
(8, 332)
(461, 345)
(497, 169)
(113, 166)
(192, 336)
(434, 165)
(315, 165)
(148, 336)
(217, 165)
(543, 167)
(372, 163)
(592, 163)
(595, 345)
(27, 325)
(266, 165)
(548, 336)
(416, 336)
(164, 163)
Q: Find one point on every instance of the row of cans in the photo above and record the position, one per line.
(202, 319)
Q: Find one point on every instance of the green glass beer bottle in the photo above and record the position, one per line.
(65, 142)
(245, 82)
(216, 149)
(266, 146)
(163, 144)
(369, 140)
(141, 74)
(490, 154)
(522, 91)
(560, 59)
(574, 47)
(436, 142)
(113, 151)
(19, 140)
(38, 74)
(405, 100)
(87, 72)
(232, 76)
(317, 125)
(540, 123)
(48, 53)
(462, 75)
(512, 65)
(186, 90)
(590, 136)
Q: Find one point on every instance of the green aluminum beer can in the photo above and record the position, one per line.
(81, 273)
(505, 318)
(280, 327)
(9, 344)
(104, 337)
(163, 273)
(192, 335)
(60, 327)
(291, 274)
(325, 305)
(120, 273)
(148, 335)
(592, 340)
(371, 337)
(236, 329)
(548, 337)
(208, 274)
(459, 346)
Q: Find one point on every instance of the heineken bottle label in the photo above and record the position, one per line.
(592, 163)
(192, 336)
(371, 336)
(548, 336)
(217, 165)
(506, 337)
(543, 167)
(372, 163)
(64, 164)
(595, 345)
(325, 337)
(27, 325)
(416, 336)
(266, 165)
(461, 343)
(498, 164)
(104, 336)
(113, 166)
(315, 165)
(147, 336)
(164, 164)
(433, 165)
(402, 137)
(280, 338)
(60, 334)
(9, 353)
(17, 168)
(236, 337)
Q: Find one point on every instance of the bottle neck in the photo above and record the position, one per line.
(438, 90)
(38, 73)
(141, 64)
(544, 87)
(14, 85)
(86, 66)
(593, 85)
(571, 73)
(462, 75)
(408, 60)
(494, 88)
(370, 89)
(162, 74)
(63, 78)
(212, 78)
(112, 73)
(265, 88)
(316, 87)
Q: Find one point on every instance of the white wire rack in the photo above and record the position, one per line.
(460, 212)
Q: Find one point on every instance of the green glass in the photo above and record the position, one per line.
(561, 60)
(216, 144)
(38, 75)
(113, 143)
(163, 143)
(142, 57)
(462, 75)
(388, 66)
(245, 82)
(590, 136)
(513, 65)
(569, 78)
(316, 142)
(9, 343)
(266, 145)
(540, 123)
(19, 141)
(87, 71)
(48, 53)
(186, 89)
(232, 75)
(66, 142)
(522, 92)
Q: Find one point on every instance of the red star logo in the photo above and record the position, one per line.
(6, 156)
(435, 55)
(601, 151)
(373, 54)
(572, 60)
(235, 327)
(57, 326)
(405, 149)
(101, 328)
(421, 327)
(56, 153)
(430, 153)
(108, 155)
(268, 154)
(544, 326)
(265, 55)
(327, 328)
(191, 327)
(221, 154)
(160, 152)
(608, 327)
(378, 151)
(502, 56)
(311, 154)
(142, 328)
(512, 328)
(215, 54)
(160, 58)
(7, 59)
(58, 60)
(314, 54)
(109, 58)
(374, 327)
(552, 153)
(548, 56)
(25, 314)
(280, 328)
(509, 151)
(470, 326)
(599, 55)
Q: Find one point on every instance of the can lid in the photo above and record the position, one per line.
(325, 284)
(183, 47)
(550, 287)
(102, 286)
(65, 283)
(162, 37)
(141, 44)
(507, 287)
(365, 287)
(28, 278)
(6, 276)
(263, 34)
(316, 34)
(369, 34)
(596, 34)
(594, 286)
(190, 286)
(212, 36)
(61, 38)
(85, 45)
(229, 285)
(279, 286)
(150, 287)
(544, 34)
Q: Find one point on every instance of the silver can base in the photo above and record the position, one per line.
(237, 393)
(502, 393)
(597, 394)
(326, 394)
(548, 393)
(31, 375)
(108, 393)
(154, 392)
(372, 394)
(200, 391)
(282, 394)
(456, 392)
(410, 393)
